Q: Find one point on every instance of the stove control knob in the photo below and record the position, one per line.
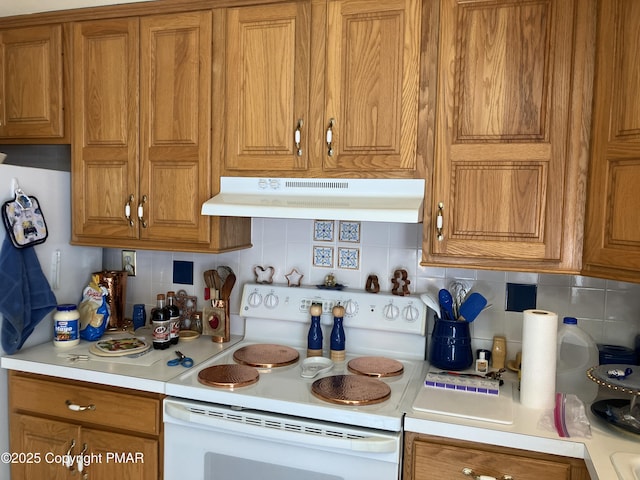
(411, 313)
(350, 308)
(271, 300)
(255, 299)
(390, 312)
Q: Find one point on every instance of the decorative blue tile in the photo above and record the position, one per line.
(323, 230)
(348, 258)
(323, 256)
(349, 232)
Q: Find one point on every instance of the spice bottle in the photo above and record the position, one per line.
(314, 338)
(482, 364)
(338, 353)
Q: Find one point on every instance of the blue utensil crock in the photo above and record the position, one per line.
(451, 345)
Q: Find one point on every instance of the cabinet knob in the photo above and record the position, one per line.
(332, 122)
(297, 138)
(127, 210)
(79, 408)
(440, 222)
(470, 473)
(143, 222)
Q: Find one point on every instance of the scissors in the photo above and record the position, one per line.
(182, 359)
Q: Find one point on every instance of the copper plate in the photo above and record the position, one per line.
(351, 390)
(266, 355)
(228, 375)
(375, 366)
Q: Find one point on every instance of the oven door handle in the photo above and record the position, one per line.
(370, 444)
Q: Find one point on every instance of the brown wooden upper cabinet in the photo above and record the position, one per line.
(612, 233)
(32, 84)
(141, 159)
(319, 88)
(510, 151)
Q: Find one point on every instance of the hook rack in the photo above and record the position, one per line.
(14, 186)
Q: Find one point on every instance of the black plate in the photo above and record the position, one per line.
(599, 409)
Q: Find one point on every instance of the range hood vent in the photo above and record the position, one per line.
(375, 200)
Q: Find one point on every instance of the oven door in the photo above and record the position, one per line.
(205, 441)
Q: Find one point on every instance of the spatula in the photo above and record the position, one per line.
(446, 304)
(472, 307)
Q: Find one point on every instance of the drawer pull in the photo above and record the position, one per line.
(79, 408)
(470, 473)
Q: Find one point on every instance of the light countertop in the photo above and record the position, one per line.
(525, 433)
(151, 373)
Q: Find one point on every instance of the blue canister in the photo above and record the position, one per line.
(66, 326)
(450, 347)
(139, 316)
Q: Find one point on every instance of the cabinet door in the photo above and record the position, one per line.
(105, 146)
(372, 84)
(125, 457)
(45, 438)
(612, 233)
(175, 121)
(267, 87)
(500, 168)
(31, 82)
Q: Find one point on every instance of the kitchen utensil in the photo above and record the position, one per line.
(227, 286)
(459, 291)
(182, 359)
(314, 366)
(472, 307)
(431, 302)
(446, 304)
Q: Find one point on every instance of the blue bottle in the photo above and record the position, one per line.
(337, 335)
(314, 339)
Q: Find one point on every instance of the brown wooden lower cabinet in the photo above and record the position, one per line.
(428, 457)
(117, 431)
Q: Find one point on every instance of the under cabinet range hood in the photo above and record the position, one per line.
(374, 200)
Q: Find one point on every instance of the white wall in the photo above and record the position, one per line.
(51, 188)
(608, 310)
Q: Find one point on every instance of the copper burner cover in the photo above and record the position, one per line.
(375, 366)
(266, 355)
(228, 376)
(351, 390)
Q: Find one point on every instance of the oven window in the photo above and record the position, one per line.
(223, 467)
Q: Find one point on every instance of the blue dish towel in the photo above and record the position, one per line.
(25, 295)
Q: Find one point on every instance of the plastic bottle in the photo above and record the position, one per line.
(577, 352)
(161, 324)
(66, 326)
(174, 316)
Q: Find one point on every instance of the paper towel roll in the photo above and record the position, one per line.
(538, 368)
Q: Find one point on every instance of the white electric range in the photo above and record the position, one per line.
(278, 425)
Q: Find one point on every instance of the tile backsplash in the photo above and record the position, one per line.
(608, 310)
